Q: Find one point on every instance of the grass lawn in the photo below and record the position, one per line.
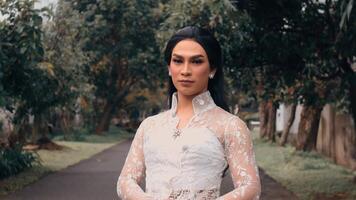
(308, 175)
(72, 153)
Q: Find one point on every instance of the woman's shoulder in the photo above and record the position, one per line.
(227, 117)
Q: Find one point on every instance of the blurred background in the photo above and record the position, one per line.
(92, 70)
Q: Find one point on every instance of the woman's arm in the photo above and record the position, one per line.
(241, 159)
(134, 170)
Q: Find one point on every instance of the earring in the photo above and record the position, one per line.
(169, 73)
(211, 76)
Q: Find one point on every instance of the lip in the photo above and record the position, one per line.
(186, 81)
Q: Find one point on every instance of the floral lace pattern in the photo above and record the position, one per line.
(190, 165)
(190, 195)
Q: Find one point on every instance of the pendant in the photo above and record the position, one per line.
(177, 133)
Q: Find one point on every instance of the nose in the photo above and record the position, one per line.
(186, 71)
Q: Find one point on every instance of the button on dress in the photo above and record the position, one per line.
(188, 163)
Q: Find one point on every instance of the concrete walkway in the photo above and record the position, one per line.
(95, 179)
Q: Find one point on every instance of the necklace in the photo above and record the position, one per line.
(177, 133)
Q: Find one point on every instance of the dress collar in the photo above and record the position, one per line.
(201, 102)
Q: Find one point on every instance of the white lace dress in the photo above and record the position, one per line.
(190, 165)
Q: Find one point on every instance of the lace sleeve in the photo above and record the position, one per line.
(133, 170)
(241, 158)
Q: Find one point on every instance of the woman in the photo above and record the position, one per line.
(183, 152)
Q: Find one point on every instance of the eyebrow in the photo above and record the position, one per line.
(193, 57)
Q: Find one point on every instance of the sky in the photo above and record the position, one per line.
(42, 3)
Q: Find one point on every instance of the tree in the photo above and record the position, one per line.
(120, 38)
(63, 51)
(27, 82)
(301, 43)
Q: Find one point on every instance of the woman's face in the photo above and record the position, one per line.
(189, 68)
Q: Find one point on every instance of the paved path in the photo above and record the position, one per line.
(95, 179)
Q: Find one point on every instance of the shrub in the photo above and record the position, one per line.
(14, 160)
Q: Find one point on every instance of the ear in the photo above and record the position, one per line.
(213, 71)
(169, 70)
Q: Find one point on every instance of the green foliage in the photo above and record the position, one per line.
(15, 160)
(101, 51)
(78, 134)
(63, 46)
(27, 82)
(63, 49)
(119, 36)
(85, 135)
(299, 45)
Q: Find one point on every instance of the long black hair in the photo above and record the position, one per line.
(213, 51)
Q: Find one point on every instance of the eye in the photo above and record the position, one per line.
(197, 61)
(178, 61)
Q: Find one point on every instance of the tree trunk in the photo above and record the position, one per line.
(285, 133)
(35, 128)
(40, 128)
(352, 91)
(104, 121)
(109, 109)
(64, 122)
(308, 128)
(271, 124)
(20, 133)
(345, 64)
(263, 114)
(40, 133)
(327, 134)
